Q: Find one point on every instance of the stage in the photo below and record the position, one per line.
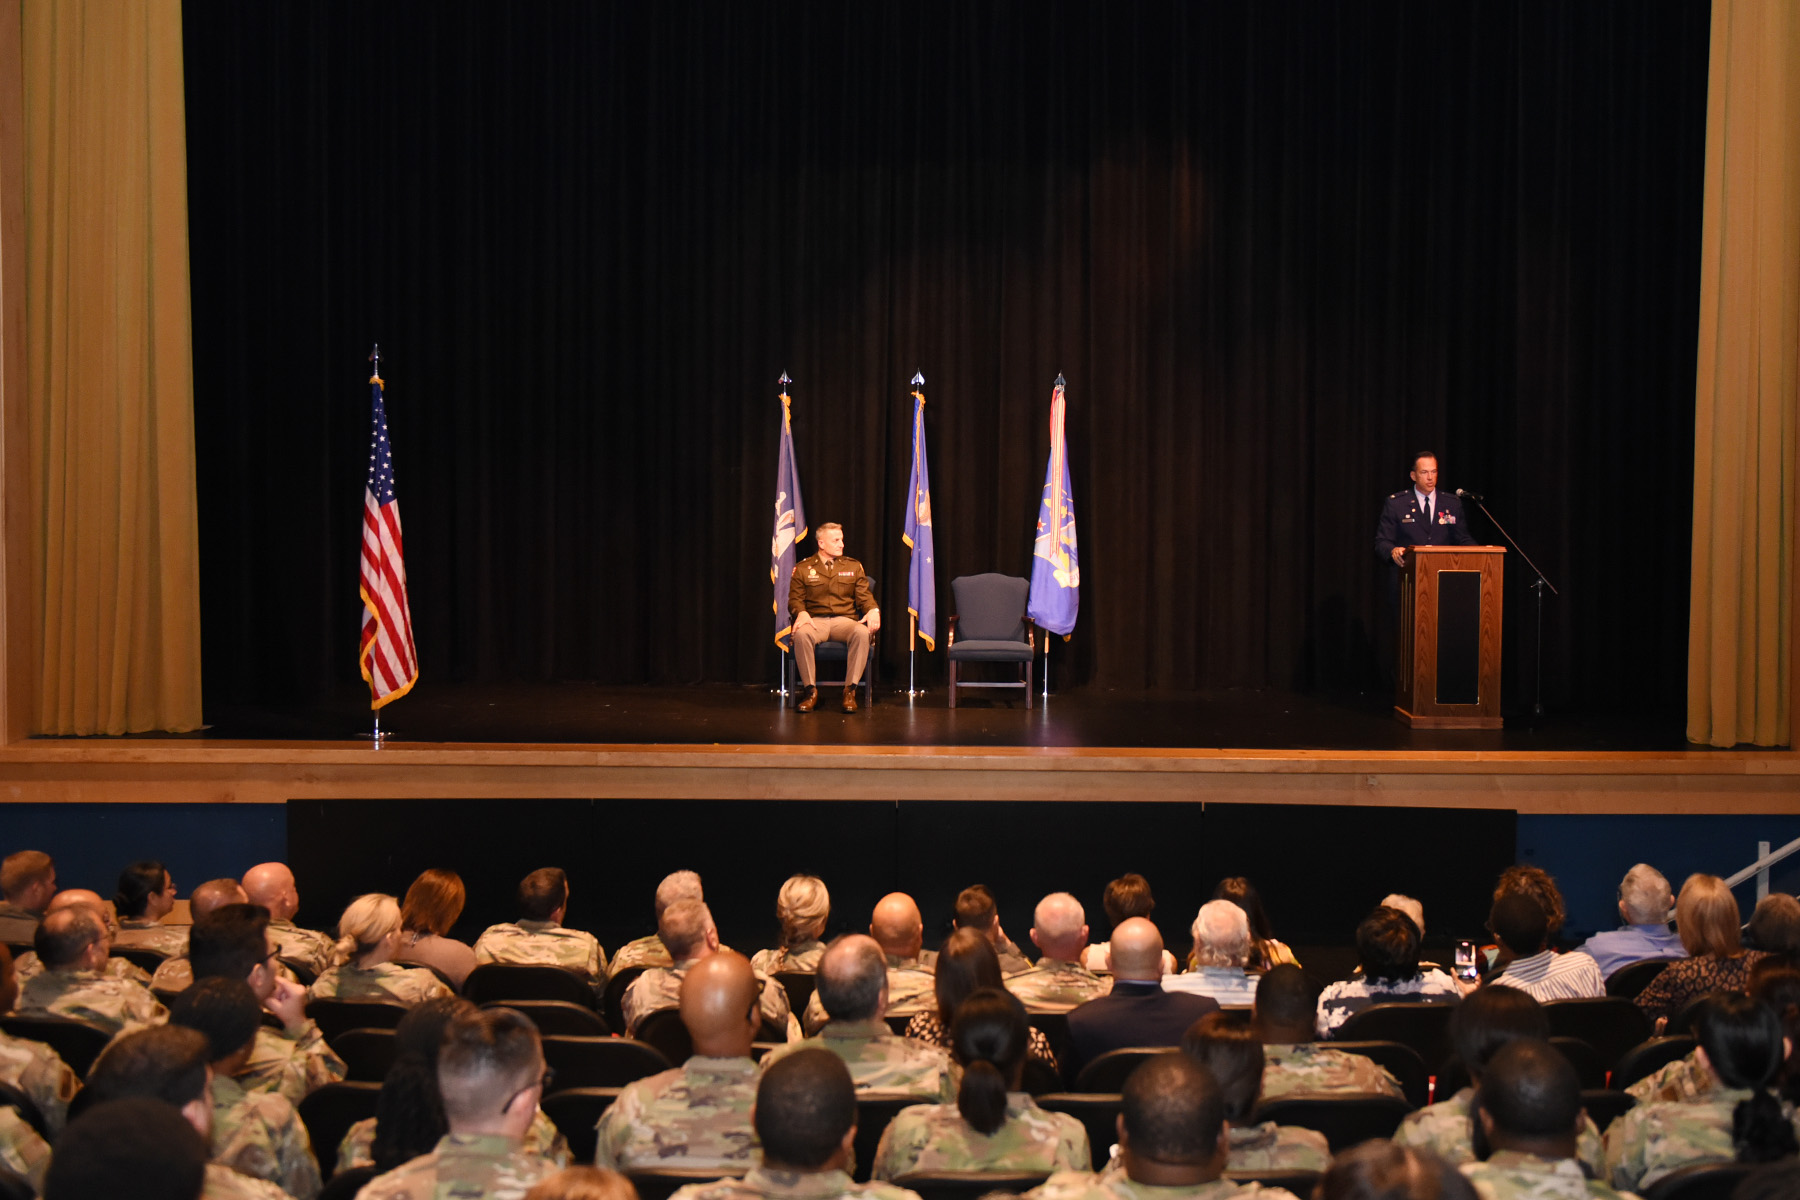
(565, 741)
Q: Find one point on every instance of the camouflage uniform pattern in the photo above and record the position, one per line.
(803, 958)
(1115, 1185)
(1682, 1080)
(1512, 1175)
(261, 1135)
(1444, 1129)
(644, 952)
(383, 981)
(41, 1074)
(114, 1005)
(697, 1115)
(935, 1137)
(1054, 986)
(223, 1183)
(912, 989)
(543, 944)
(762, 1183)
(167, 940)
(1310, 1067)
(660, 987)
(318, 951)
(27, 966)
(881, 1062)
(463, 1167)
(22, 1150)
(1272, 1147)
(543, 1139)
(1653, 1139)
(290, 1065)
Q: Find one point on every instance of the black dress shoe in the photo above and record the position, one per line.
(808, 699)
(849, 699)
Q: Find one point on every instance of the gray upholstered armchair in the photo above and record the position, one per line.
(990, 626)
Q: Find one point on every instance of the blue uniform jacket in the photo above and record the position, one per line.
(1403, 524)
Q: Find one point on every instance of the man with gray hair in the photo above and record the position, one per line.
(1221, 947)
(1644, 904)
(1058, 982)
(73, 946)
(649, 951)
(688, 935)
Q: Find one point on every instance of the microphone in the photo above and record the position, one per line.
(1475, 496)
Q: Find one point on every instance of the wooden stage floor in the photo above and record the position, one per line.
(584, 741)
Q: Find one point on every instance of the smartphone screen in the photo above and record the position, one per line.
(1465, 960)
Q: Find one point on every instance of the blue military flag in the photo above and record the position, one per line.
(790, 519)
(1055, 567)
(921, 575)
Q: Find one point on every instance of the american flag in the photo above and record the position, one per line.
(387, 657)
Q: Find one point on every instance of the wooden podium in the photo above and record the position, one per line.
(1448, 671)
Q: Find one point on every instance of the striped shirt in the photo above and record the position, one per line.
(1551, 976)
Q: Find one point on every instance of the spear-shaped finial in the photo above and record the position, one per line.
(918, 379)
(1059, 380)
(375, 358)
(784, 380)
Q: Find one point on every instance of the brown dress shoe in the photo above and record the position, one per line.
(808, 700)
(849, 699)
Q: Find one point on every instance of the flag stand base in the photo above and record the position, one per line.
(782, 690)
(375, 736)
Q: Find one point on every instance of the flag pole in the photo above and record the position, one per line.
(376, 737)
(913, 690)
(782, 690)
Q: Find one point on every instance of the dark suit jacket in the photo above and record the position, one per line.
(1403, 524)
(1135, 1014)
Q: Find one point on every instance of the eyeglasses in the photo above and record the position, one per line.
(543, 1085)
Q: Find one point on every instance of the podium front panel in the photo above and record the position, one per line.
(1448, 659)
(1459, 637)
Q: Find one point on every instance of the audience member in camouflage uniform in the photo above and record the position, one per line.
(994, 1125)
(22, 1150)
(977, 909)
(72, 945)
(30, 966)
(371, 934)
(911, 985)
(539, 939)
(1233, 1053)
(490, 1074)
(1058, 982)
(33, 1067)
(697, 1115)
(1292, 1061)
(1684, 1079)
(1741, 1044)
(802, 906)
(139, 1148)
(1482, 1025)
(257, 1133)
(177, 974)
(1395, 1172)
(542, 1140)
(27, 881)
(852, 985)
(272, 886)
(806, 1121)
(1529, 1110)
(146, 895)
(232, 941)
(649, 951)
(686, 928)
(169, 1064)
(1173, 1143)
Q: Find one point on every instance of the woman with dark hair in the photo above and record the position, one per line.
(1481, 1025)
(1387, 949)
(1741, 1044)
(993, 1126)
(1265, 950)
(409, 1114)
(432, 905)
(1774, 926)
(966, 964)
(1125, 897)
(1707, 917)
(1233, 1052)
(146, 895)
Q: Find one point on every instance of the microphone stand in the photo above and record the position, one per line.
(1537, 680)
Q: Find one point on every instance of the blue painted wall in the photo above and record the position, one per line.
(93, 842)
(1589, 855)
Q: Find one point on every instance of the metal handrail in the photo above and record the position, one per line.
(1760, 868)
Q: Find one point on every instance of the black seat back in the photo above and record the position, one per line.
(1300, 1183)
(575, 1111)
(664, 1030)
(519, 981)
(13, 1098)
(1097, 1111)
(76, 1042)
(558, 1017)
(969, 1185)
(1606, 1105)
(587, 1062)
(1610, 1024)
(659, 1183)
(799, 985)
(1402, 1062)
(612, 1004)
(1584, 1058)
(1108, 1072)
(142, 957)
(1647, 1058)
(1702, 1181)
(1633, 978)
(368, 1054)
(1345, 1118)
(328, 1112)
(1424, 1027)
(336, 1017)
(873, 1113)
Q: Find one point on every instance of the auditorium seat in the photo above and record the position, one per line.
(664, 1030)
(1647, 1058)
(338, 1016)
(1633, 978)
(799, 985)
(581, 1062)
(1610, 1024)
(968, 1185)
(141, 957)
(575, 1111)
(1424, 1027)
(520, 981)
(1584, 1058)
(328, 1112)
(76, 1042)
(659, 1183)
(368, 1054)
(1108, 1072)
(612, 1003)
(1402, 1062)
(557, 1016)
(1345, 1118)
(11, 1097)
(1606, 1105)
(1097, 1111)
(873, 1115)
(1702, 1181)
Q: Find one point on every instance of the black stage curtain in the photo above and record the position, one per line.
(1273, 246)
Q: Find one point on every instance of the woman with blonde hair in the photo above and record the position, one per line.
(1706, 916)
(803, 906)
(369, 938)
(431, 907)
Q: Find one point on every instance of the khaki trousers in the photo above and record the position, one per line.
(832, 629)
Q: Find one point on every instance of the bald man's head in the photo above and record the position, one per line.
(271, 885)
(896, 925)
(1060, 927)
(720, 1005)
(84, 899)
(71, 938)
(1137, 950)
(213, 895)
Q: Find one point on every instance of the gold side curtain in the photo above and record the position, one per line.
(1747, 385)
(109, 365)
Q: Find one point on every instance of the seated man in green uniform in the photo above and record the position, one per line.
(829, 599)
(1529, 1116)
